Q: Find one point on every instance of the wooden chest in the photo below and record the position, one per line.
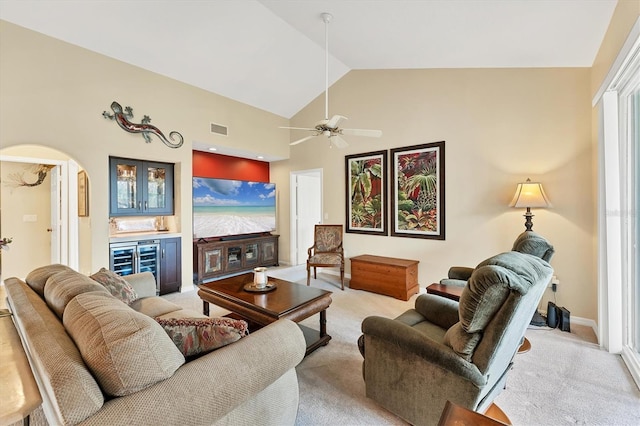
(385, 275)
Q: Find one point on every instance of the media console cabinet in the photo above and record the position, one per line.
(213, 259)
(385, 275)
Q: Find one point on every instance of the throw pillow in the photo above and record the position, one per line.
(117, 286)
(195, 336)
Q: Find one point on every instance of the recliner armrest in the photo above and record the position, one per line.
(401, 335)
(438, 310)
(460, 273)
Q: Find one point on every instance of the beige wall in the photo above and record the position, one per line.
(53, 95)
(500, 127)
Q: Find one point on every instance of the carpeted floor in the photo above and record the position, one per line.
(564, 379)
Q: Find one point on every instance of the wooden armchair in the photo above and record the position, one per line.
(326, 251)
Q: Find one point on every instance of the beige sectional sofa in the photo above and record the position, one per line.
(86, 347)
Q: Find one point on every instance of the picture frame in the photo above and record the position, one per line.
(418, 191)
(83, 194)
(366, 193)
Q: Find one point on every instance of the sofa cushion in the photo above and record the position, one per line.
(182, 313)
(195, 336)
(117, 286)
(154, 306)
(127, 351)
(37, 278)
(64, 286)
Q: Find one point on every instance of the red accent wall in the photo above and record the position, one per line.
(226, 167)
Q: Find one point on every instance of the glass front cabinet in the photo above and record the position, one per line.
(140, 188)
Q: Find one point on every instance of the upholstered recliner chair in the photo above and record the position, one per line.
(458, 351)
(528, 242)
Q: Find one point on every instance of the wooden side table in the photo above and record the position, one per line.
(19, 394)
(454, 292)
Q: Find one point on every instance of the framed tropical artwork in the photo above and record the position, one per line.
(366, 203)
(417, 191)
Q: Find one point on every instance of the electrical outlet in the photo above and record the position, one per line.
(555, 282)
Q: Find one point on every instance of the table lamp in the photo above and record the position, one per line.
(529, 194)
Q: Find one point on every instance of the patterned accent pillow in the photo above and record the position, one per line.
(117, 286)
(195, 336)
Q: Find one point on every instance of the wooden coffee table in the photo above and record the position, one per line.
(289, 300)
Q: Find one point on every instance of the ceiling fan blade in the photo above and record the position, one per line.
(302, 140)
(338, 141)
(333, 121)
(363, 132)
(297, 128)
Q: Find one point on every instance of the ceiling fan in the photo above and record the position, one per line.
(329, 126)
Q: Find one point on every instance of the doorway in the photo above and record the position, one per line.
(306, 211)
(37, 213)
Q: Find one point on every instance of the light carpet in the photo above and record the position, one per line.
(565, 379)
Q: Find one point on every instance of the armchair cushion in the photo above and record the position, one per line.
(531, 243)
(460, 341)
(488, 288)
(326, 258)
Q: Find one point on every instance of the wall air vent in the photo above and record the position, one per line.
(219, 129)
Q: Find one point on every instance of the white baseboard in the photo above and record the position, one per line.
(633, 364)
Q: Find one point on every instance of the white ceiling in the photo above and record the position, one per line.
(270, 53)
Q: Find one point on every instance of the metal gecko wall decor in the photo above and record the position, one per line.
(17, 179)
(122, 118)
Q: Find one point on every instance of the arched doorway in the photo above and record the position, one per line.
(38, 209)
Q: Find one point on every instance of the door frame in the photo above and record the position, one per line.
(68, 237)
(293, 202)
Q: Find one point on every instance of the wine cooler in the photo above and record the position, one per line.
(137, 256)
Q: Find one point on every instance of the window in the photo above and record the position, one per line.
(619, 204)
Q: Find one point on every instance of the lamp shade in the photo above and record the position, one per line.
(530, 194)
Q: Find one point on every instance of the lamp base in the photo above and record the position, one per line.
(528, 223)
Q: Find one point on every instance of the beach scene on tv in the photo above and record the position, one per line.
(223, 207)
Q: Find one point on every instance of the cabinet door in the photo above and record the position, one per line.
(269, 252)
(251, 255)
(170, 265)
(233, 257)
(158, 189)
(140, 188)
(124, 185)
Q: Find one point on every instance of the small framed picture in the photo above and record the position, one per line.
(417, 192)
(83, 194)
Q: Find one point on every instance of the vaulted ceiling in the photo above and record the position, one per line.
(270, 53)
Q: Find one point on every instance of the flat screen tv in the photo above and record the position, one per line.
(223, 207)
